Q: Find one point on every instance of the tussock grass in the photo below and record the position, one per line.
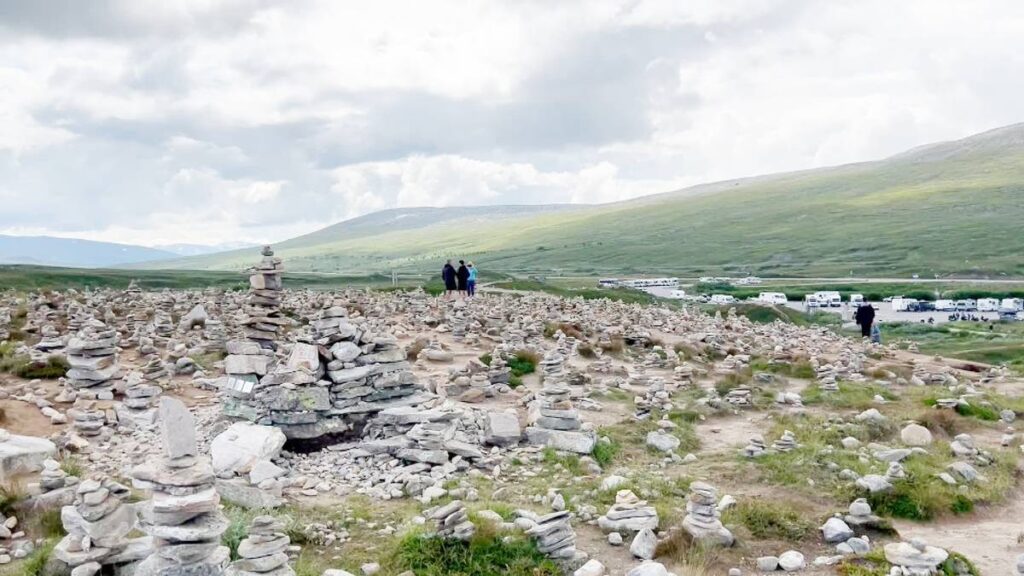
(523, 362)
(486, 554)
(859, 396)
(770, 520)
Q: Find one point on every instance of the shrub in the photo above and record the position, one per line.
(54, 367)
(486, 359)
(11, 494)
(523, 362)
(515, 381)
(604, 452)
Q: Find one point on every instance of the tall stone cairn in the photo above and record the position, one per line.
(92, 355)
(702, 516)
(182, 516)
(250, 359)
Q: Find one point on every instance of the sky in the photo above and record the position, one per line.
(224, 121)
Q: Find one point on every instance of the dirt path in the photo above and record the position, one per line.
(989, 538)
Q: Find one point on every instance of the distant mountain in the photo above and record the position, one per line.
(73, 252)
(947, 208)
(200, 249)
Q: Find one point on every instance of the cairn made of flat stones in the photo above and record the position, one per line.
(702, 517)
(452, 521)
(92, 355)
(264, 551)
(183, 515)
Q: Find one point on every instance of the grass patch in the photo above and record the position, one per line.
(486, 554)
(604, 452)
(570, 462)
(523, 362)
(968, 410)
(858, 396)
(35, 563)
(54, 367)
(768, 520)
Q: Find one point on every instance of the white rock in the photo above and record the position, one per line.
(791, 561)
(915, 435)
(591, 568)
(242, 445)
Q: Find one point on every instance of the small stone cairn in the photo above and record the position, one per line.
(52, 476)
(552, 365)
(182, 517)
(755, 447)
(702, 516)
(628, 514)
(786, 443)
(263, 552)
(86, 418)
(92, 355)
(554, 535)
(98, 525)
(452, 521)
(139, 405)
(555, 423)
(860, 516)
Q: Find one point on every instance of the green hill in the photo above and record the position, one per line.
(949, 208)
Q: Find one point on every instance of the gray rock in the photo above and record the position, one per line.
(178, 428)
(792, 561)
(644, 544)
(835, 530)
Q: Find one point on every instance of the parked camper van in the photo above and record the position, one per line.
(811, 301)
(967, 305)
(1011, 305)
(901, 304)
(856, 299)
(945, 305)
(829, 298)
(722, 299)
(771, 298)
(988, 304)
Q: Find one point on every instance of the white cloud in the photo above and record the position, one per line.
(254, 120)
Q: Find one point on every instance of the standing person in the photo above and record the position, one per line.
(471, 284)
(463, 277)
(448, 275)
(865, 316)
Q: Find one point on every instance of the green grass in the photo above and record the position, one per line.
(54, 367)
(771, 520)
(522, 363)
(853, 395)
(968, 410)
(486, 554)
(605, 452)
(989, 343)
(33, 564)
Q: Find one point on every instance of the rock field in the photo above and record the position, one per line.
(275, 431)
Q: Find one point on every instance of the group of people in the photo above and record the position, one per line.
(461, 281)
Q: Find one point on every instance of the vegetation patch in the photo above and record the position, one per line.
(859, 396)
(523, 362)
(769, 520)
(486, 554)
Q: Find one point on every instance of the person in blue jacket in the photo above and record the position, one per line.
(471, 283)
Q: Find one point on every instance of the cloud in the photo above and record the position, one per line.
(256, 120)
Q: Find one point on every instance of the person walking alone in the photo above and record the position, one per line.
(448, 275)
(865, 317)
(471, 284)
(462, 275)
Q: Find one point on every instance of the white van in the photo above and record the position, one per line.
(945, 305)
(988, 304)
(1011, 305)
(829, 298)
(772, 298)
(811, 301)
(856, 299)
(901, 304)
(722, 299)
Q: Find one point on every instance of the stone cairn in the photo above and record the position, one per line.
(628, 514)
(263, 552)
(860, 516)
(263, 311)
(555, 423)
(554, 535)
(452, 521)
(785, 443)
(702, 517)
(139, 405)
(182, 517)
(97, 527)
(92, 355)
(86, 418)
(755, 448)
(52, 476)
(552, 366)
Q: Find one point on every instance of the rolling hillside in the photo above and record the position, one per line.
(73, 252)
(948, 208)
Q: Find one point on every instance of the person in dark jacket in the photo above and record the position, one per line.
(463, 277)
(448, 275)
(865, 317)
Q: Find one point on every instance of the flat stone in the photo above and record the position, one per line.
(178, 428)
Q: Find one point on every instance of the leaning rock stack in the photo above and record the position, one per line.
(702, 516)
(264, 551)
(554, 535)
(98, 525)
(452, 521)
(628, 514)
(183, 516)
(92, 355)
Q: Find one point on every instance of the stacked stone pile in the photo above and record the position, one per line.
(86, 418)
(139, 404)
(554, 535)
(755, 447)
(263, 552)
(552, 366)
(98, 525)
(554, 422)
(628, 514)
(452, 521)
(785, 443)
(182, 517)
(740, 397)
(92, 355)
(263, 311)
(702, 516)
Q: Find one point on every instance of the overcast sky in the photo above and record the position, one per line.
(211, 121)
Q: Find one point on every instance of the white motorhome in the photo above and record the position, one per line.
(988, 304)
(967, 305)
(1011, 305)
(650, 282)
(811, 301)
(722, 299)
(901, 304)
(771, 298)
(829, 298)
(857, 299)
(945, 305)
